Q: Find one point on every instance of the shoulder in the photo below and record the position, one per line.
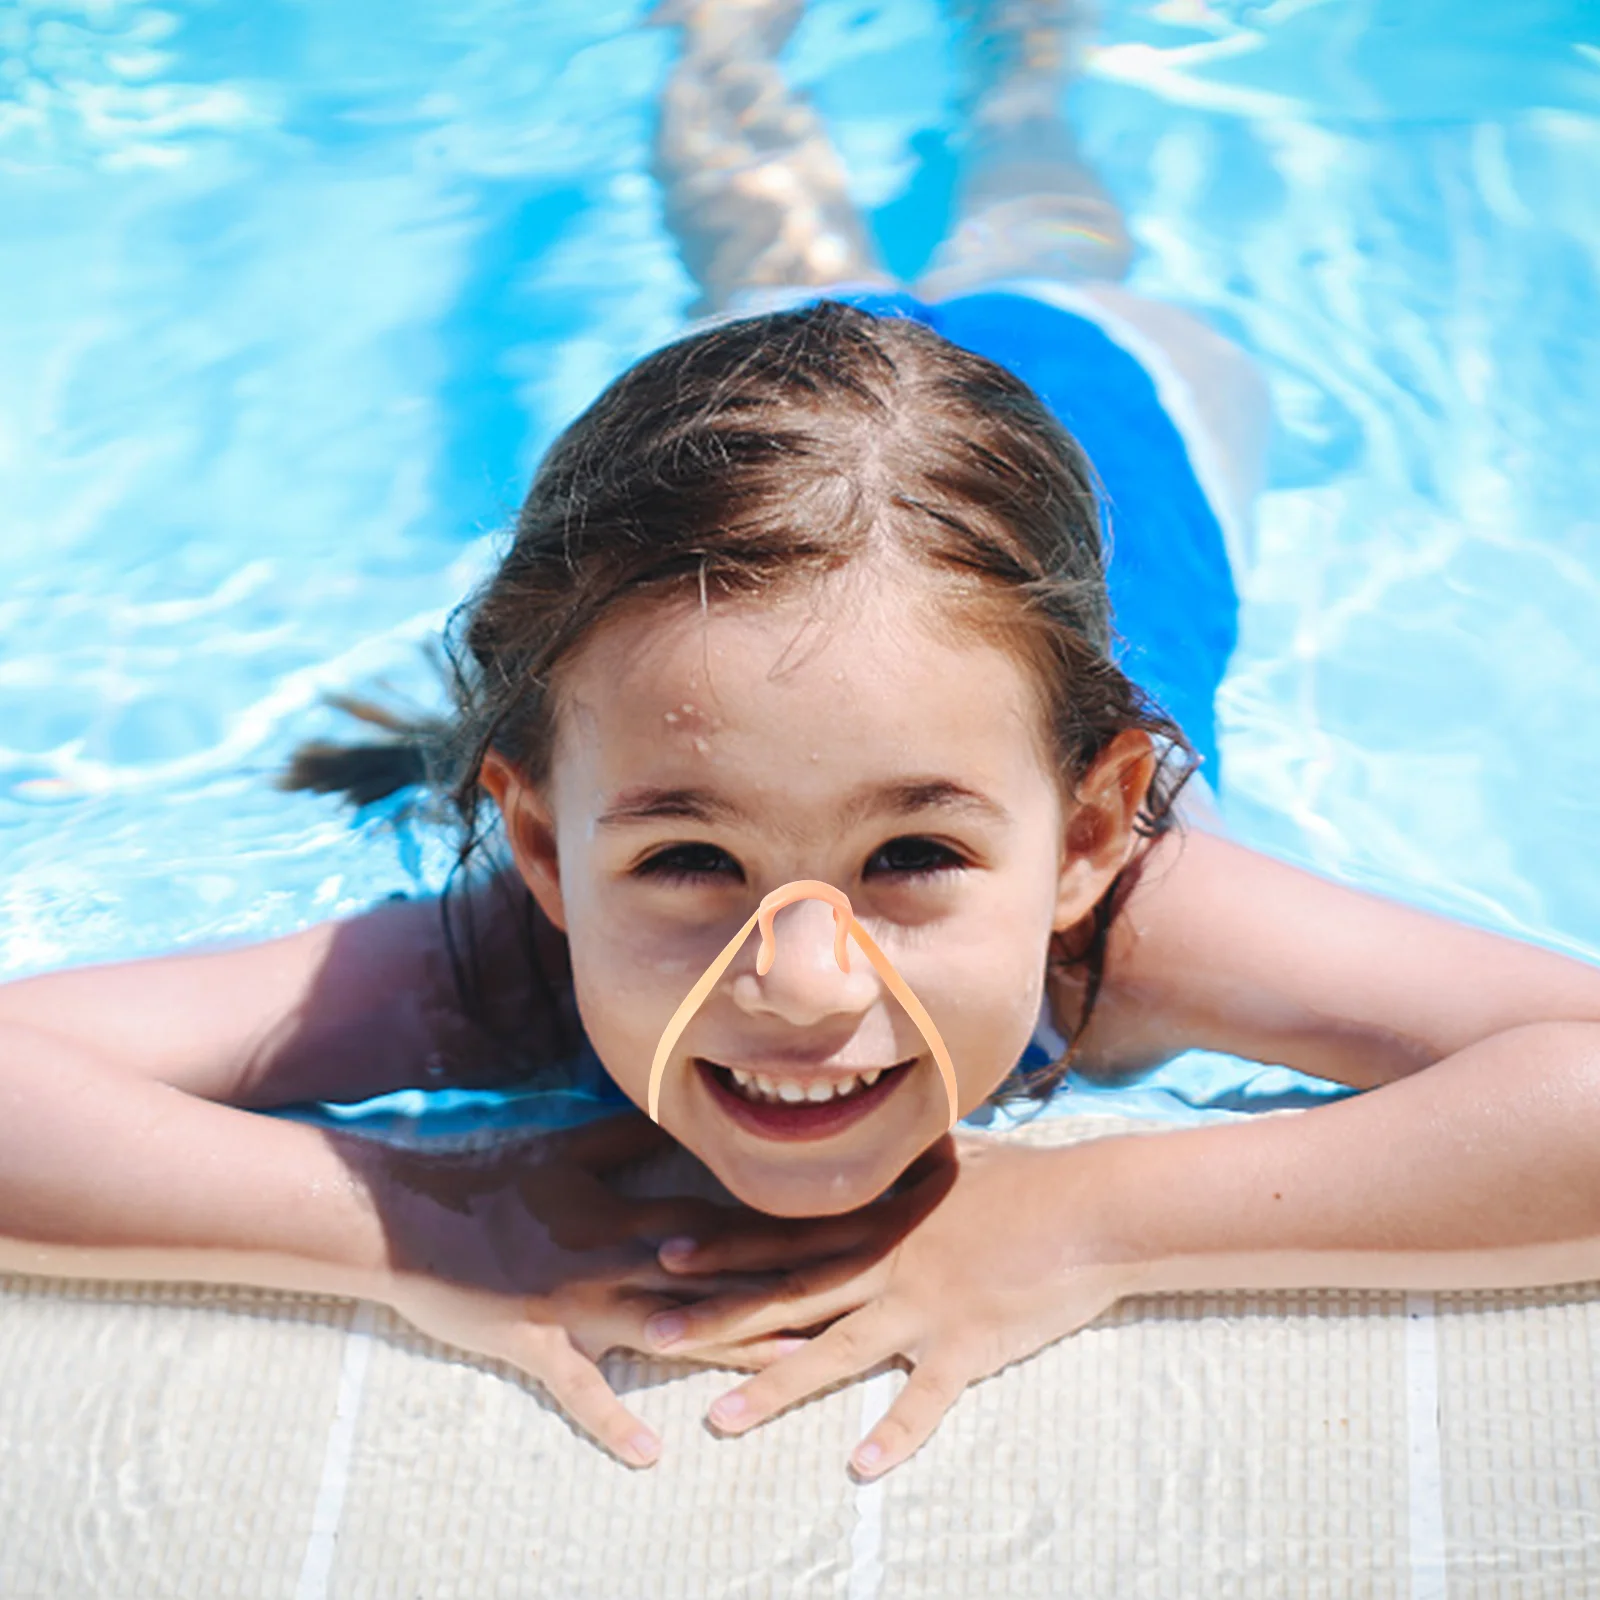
(498, 974)
(341, 1010)
(472, 989)
(1221, 947)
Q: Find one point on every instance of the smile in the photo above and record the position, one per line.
(786, 1109)
(803, 1120)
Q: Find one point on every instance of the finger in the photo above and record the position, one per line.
(611, 1141)
(934, 1386)
(580, 1389)
(755, 1356)
(781, 1242)
(614, 1317)
(695, 1289)
(848, 1348)
(819, 1293)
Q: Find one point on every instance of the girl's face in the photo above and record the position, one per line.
(704, 758)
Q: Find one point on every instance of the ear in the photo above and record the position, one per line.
(530, 831)
(1098, 829)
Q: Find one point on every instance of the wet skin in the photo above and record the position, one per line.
(845, 928)
(803, 737)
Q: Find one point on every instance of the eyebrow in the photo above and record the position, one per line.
(651, 803)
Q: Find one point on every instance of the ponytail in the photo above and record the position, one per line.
(417, 754)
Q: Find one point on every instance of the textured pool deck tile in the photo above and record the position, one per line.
(466, 1484)
(159, 1441)
(1156, 1448)
(1521, 1429)
(191, 1442)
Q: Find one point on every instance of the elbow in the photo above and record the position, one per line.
(1560, 1058)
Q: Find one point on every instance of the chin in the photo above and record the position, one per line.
(802, 1195)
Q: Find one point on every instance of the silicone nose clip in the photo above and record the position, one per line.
(844, 925)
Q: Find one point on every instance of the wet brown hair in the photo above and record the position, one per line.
(742, 460)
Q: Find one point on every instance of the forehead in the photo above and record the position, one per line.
(802, 699)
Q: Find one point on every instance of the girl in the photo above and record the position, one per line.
(822, 594)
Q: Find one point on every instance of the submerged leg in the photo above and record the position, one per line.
(754, 190)
(1027, 206)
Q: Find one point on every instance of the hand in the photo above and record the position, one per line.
(987, 1252)
(522, 1253)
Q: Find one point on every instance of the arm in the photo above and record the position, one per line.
(121, 1153)
(121, 1158)
(1480, 1173)
(104, 1173)
(519, 1253)
(1222, 948)
(1471, 1163)
(339, 1011)
(1477, 1173)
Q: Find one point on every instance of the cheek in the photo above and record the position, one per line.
(627, 987)
(609, 988)
(985, 1013)
(986, 1065)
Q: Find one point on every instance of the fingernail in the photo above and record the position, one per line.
(644, 1445)
(789, 1346)
(729, 1408)
(678, 1248)
(666, 1328)
(868, 1456)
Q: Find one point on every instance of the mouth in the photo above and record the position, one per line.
(798, 1119)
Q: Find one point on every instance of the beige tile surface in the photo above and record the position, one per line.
(159, 1441)
(181, 1441)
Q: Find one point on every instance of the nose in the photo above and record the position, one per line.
(812, 986)
(803, 982)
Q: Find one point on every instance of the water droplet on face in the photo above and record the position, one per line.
(701, 746)
(671, 716)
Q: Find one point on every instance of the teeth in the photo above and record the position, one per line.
(756, 1086)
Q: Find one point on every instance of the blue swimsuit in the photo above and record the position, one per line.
(1171, 581)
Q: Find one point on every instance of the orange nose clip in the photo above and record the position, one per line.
(844, 925)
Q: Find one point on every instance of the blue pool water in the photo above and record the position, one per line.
(292, 297)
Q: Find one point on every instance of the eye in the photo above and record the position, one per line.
(908, 857)
(917, 858)
(684, 862)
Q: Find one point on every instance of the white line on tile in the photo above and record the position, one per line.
(1429, 1580)
(317, 1567)
(866, 1541)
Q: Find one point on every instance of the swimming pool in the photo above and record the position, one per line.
(290, 299)
(295, 296)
